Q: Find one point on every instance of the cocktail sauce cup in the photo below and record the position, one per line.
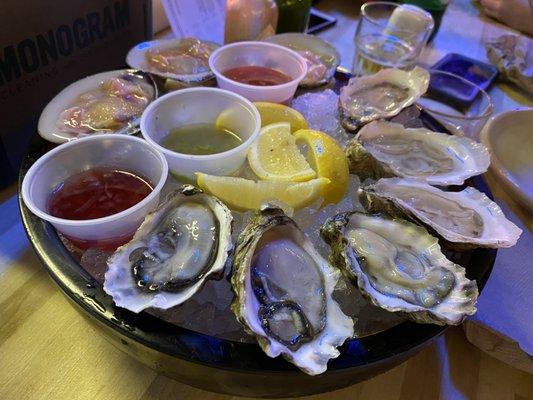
(115, 151)
(261, 54)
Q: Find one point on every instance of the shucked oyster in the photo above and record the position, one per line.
(283, 293)
(465, 219)
(107, 108)
(317, 70)
(386, 149)
(382, 95)
(108, 102)
(176, 248)
(322, 58)
(398, 266)
(185, 60)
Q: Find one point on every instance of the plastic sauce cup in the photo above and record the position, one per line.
(112, 150)
(195, 106)
(261, 54)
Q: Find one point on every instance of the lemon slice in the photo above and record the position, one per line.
(275, 155)
(243, 194)
(230, 117)
(329, 161)
(271, 113)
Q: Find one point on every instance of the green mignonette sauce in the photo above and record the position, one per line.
(201, 139)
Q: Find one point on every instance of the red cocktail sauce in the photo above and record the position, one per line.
(97, 193)
(257, 76)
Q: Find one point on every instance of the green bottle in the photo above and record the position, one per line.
(435, 7)
(293, 15)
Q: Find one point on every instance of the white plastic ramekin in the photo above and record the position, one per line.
(201, 105)
(261, 54)
(112, 150)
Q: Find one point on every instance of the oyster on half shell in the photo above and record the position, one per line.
(464, 219)
(183, 60)
(283, 293)
(108, 102)
(178, 246)
(386, 149)
(399, 267)
(382, 95)
(322, 58)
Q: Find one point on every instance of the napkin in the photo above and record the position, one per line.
(201, 19)
(406, 21)
(506, 303)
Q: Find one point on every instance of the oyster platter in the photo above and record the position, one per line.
(291, 208)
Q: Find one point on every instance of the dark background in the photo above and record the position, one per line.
(45, 46)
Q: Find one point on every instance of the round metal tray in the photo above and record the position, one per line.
(219, 365)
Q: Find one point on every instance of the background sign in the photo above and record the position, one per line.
(45, 46)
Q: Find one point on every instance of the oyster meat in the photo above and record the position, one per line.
(382, 95)
(177, 247)
(316, 69)
(322, 58)
(109, 107)
(185, 60)
(108, 102)
(386, 149)
(464, 219)
(399, 266)
(283, 293)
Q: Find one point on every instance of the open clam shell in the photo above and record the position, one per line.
(321, 57)
(48, 126)
(385, 149)
(189, 64)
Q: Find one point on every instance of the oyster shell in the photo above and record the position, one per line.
(465, 219)
(386, 149)
(382, 95)
(108, 102)
(398, 266)
(178, 246)
(184, 60)
(283, 293)
(322, 58)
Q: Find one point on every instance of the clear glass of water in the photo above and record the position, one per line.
(459, 105)
(390, 35)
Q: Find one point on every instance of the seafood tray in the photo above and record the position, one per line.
(201, 343)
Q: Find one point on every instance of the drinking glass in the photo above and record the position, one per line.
(293, 15)
(457, 104)
(389, 35)
(436, 8)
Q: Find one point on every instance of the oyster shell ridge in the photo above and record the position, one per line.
(119, 280)
(469, 158)
(345, 258)
(265, 219)
(375, 203)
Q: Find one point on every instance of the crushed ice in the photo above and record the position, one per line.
(209, 311)
(320, 109)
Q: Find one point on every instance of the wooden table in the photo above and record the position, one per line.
(48, 350)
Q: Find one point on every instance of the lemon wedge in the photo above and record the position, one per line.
(327, 158)
(271, 113)
(230, 117)
(275, 155)
(243, 194)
